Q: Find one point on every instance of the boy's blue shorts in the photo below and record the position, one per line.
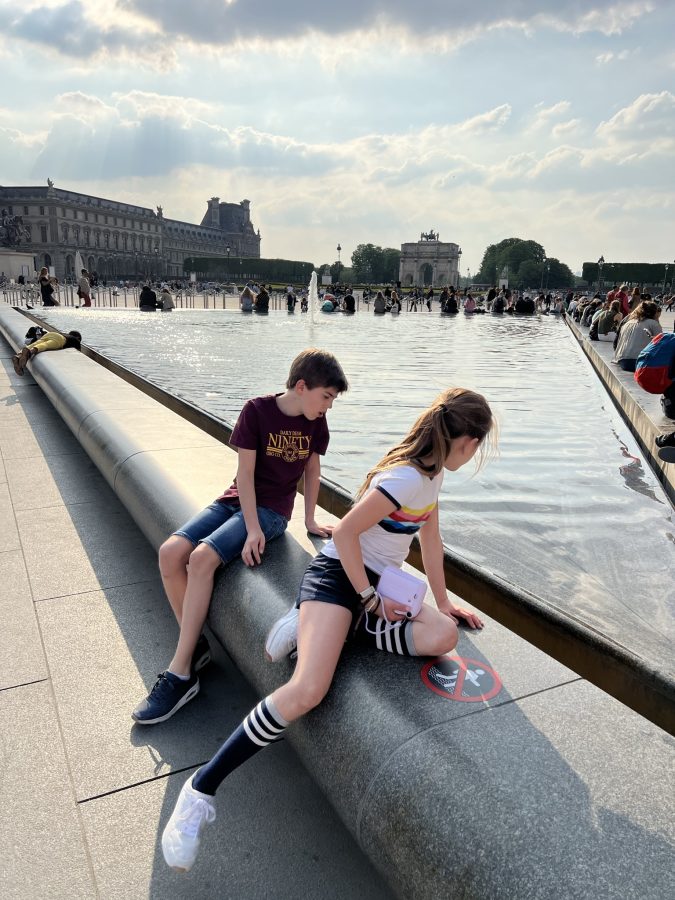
(222, 527)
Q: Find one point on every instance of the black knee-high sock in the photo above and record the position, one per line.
(396, 638)
(262, 726)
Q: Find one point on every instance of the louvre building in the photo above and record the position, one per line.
(118, 240)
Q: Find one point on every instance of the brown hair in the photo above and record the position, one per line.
(455, 413)
(317, 368)
(645, 310)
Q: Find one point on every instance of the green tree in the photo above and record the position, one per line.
(367, 262)
(391, 264)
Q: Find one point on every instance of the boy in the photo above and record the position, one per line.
(277, 438)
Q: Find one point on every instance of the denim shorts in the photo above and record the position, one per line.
(325, 580)
(222, 527)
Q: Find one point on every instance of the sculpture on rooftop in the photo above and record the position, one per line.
(429, 236)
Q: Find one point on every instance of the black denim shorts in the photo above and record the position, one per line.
(326, 581)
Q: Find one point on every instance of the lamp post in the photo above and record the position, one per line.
(459, 259)
(548, 269)
(601, 263)
(339, 265)
(157, 263)
(665, 277)
(541, 283)
(227, 250)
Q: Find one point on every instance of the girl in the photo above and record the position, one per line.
(338, 595)
(50, 340)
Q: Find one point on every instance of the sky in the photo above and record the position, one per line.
(359, 121)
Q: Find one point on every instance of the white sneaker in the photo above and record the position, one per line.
(283, 636)
(180, 839)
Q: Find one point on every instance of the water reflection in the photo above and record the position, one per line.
(568, 509)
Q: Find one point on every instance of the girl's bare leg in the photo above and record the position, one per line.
(322, 631)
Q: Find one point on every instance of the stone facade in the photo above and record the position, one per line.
(429, 261)
(119, 240)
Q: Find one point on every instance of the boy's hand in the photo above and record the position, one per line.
(253, 548)
(319, 530)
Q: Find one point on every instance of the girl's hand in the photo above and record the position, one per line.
(458, 613)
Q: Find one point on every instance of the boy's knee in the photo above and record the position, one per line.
(203, 560)
(173, 554)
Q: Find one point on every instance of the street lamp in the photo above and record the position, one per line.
(601, 263)
(541, 283)
(227, 250)
(459, 259)
(665, 277)
(339, 265)
(548, 269)
(157, 263)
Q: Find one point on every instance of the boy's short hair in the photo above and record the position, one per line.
(317, 368)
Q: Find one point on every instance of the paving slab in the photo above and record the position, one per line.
(3, 474)
(77, 541)
(39, 481)
(9, 535)
(552, 796)
(270, 840)
(22, 657)
(20, 439)
(43, 849)
(122, 638)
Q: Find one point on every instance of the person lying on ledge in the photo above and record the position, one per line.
(52, 340)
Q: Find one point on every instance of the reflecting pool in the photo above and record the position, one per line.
(568, 510)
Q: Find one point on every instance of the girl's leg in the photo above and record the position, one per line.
(322, 631)
(430, 634)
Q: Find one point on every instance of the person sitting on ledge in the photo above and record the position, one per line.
(51, 340)
(246, 300)
(262, 301)
(605, 325)
(278, 438)
(379, 304)
(147, 301)
(635, 332)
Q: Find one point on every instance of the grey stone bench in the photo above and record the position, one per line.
(532, 784)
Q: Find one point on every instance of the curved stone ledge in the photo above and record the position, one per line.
(420, 779)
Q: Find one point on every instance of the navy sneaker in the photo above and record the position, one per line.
(167, 696)
(202, 655)
(665, 440)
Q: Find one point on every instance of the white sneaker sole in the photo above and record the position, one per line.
(194, 690)
(275, 630)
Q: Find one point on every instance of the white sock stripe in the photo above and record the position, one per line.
(252, 736)
(387, 638)
(266, 720)
(256, 725)
(397, 639)
(378, 635)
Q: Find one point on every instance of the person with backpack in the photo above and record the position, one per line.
(655, 370)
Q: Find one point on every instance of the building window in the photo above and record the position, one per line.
(86, 217)
(25, 210)
(10, 210)
(42, 210)
(43, 234)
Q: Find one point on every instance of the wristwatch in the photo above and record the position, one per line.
(368, 593)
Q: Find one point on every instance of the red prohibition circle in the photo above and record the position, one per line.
(473, 681)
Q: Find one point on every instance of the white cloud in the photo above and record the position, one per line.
(488, 121)
(564, 129)
(648, 116)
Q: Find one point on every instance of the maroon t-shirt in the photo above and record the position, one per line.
(283, 444)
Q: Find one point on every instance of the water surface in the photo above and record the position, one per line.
(569, 510)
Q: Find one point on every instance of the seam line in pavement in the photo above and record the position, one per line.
(13, 687)
(95, 590)
(127, 787)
